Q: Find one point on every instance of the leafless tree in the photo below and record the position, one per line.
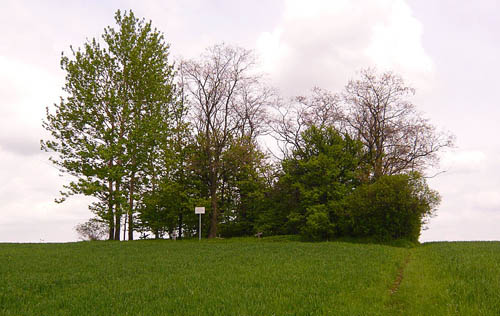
(374, 109)
(397, 138)
(93, 229)
(227, 100)
(321, 108)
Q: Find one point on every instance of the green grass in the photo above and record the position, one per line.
(459, 278)
(275, 276)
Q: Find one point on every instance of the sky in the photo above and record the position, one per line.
(447, 50)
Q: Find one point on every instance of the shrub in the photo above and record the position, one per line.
(393, 207)
(318, 225)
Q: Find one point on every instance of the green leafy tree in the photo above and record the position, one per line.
(317, 177)
(243, 187)
(115, 117)
(168, 208)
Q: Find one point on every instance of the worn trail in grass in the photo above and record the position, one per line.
(451, 278)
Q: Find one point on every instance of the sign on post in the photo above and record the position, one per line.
(199, 210)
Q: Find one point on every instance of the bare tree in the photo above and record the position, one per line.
(321, 108)
(397, 138)
(374, 109)
(93, 229)
(227, 100)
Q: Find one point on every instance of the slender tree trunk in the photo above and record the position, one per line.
(125, 228)
(118, 216)
(180, 226)
(131, 210)
(213, 200)
(378, 169)
(111, 214)
(117, 225)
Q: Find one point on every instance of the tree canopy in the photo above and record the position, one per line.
(150, 141)
(113, 127)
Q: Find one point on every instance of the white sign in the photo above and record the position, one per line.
(199, 210)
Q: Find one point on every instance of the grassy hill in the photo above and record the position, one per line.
(249, 277)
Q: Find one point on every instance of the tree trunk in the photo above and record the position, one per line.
(111, 214)
(125, 228)
(118, 216)
(131, 211)
(117, 225)
(180, 226)
(213, 200)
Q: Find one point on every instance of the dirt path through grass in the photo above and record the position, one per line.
(449, 278)
(400, 275)
(249, 277)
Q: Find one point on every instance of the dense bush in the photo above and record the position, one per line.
(393, 207)
(316, 177)
(325, 191)
(319, 225)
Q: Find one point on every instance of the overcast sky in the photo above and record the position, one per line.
(447, 50)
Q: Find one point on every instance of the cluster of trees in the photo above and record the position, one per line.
(150, 141)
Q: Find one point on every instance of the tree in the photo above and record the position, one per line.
(321, 109)
(227, 102)
(243, 187)
(317, 177)
(168, 207)
(93, 229)
(397, 138)
(115, 117)
(374, 109)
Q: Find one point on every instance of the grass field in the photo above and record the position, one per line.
(249, 277)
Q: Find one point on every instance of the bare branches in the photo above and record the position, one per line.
(227, 102)
(374, 109)
(223, 93)
(395, 135)
(290, 120)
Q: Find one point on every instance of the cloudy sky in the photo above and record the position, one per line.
(448, 50)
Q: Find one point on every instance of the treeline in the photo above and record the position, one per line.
(150, 140)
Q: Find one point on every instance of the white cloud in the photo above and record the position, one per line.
(323, 43)
(29, 89)
(27, 191)
(318, 42)
(460, 161)
(396, 42)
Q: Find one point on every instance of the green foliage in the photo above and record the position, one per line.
(318, 224)
(243, 188)
(393, 207)
(114, 124)
(316, 178)
(123, 132)
(320, 194)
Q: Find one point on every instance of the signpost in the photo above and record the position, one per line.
(199, 210)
